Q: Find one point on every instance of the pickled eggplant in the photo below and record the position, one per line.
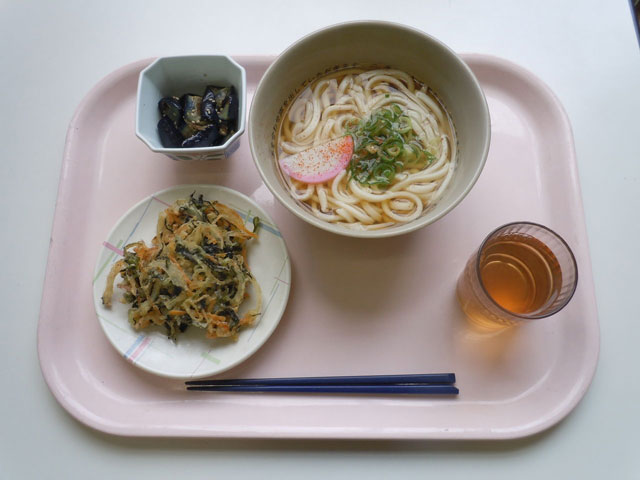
(170, 137)
(215, 93)
(229, 109)
(224, 129)
(170, 107)
(208, 108)
(204, 138)
(191, 107)
(226, 101)
(186, 129)
(192, 121)
(221, 95)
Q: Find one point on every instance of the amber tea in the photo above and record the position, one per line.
(521, 271)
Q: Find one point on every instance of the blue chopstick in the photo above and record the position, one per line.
(380, 389)
(429, 378)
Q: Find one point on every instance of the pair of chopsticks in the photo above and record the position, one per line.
(416, 384)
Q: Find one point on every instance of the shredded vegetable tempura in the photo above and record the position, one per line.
(194, 273)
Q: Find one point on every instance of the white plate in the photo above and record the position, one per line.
(193, 355)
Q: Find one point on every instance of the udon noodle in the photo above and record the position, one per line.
(329, 107)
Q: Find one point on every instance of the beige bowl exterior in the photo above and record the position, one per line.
(374, 43)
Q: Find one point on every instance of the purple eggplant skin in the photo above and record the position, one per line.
(204, 138)
(185, 129)
(191, 109)
(227, 104)
(192, 121)
(209, 104)
(170, 107)
(169, 135)
(208, 110)
(218, 94)
(233, 104)
(226, 101)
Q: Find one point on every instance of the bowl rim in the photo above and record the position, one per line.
(404, 228)
(196, 150)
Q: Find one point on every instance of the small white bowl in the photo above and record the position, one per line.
(374, 43)
(169, 76)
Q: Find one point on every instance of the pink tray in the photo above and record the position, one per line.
(356, 306)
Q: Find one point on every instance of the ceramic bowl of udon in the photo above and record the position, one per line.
(176, 76)
(382, 64)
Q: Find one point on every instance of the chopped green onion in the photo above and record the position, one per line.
(385, 144)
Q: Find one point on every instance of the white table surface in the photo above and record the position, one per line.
(53, 54)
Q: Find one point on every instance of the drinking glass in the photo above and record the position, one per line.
(521, 271)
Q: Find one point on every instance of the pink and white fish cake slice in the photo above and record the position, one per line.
(321, 163)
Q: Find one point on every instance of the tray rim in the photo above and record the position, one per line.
(371, 433)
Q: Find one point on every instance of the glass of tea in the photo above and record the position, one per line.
(522, 271)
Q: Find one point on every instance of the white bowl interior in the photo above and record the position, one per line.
(170, 76)
(380, 44)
